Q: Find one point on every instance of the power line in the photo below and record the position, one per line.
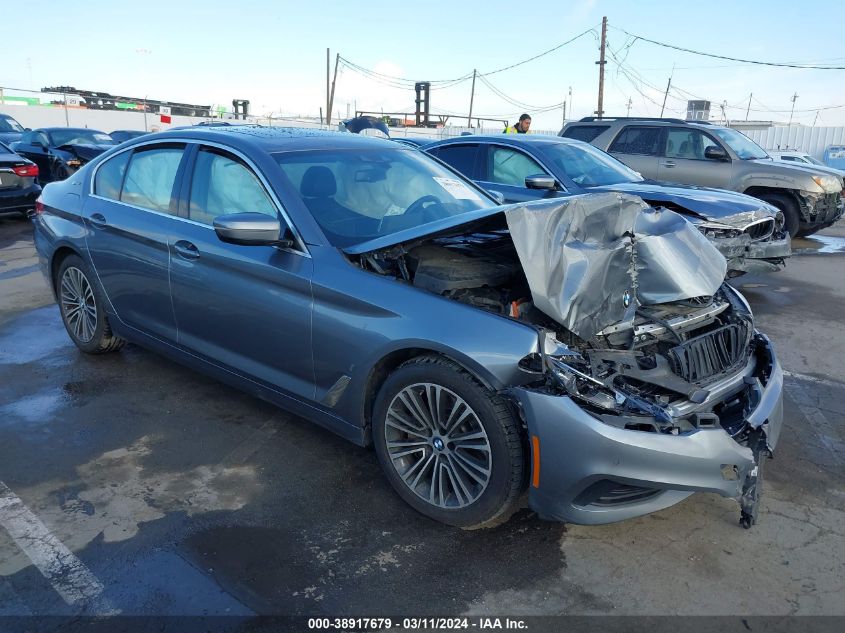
(726, 57)
(399, 81)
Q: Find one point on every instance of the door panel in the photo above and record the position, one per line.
(247, 308)
(128, 244)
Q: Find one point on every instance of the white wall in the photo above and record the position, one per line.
(107, 120)
(813, 140)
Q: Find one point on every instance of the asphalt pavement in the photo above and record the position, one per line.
(129, 484)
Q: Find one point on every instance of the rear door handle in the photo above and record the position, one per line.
(186, 250)
(668, 163)
(98, 221)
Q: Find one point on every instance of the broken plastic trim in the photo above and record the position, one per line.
(608, 398)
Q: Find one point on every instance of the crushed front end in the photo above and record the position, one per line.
(652, 381)
(756, 242)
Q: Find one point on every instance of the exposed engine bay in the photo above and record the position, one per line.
(633, 361)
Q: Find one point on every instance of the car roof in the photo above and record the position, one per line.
(511, 139)
(270, 139)
(68, 129)
(620, 121)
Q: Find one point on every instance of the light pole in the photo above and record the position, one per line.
(143, 52)
(794, 99)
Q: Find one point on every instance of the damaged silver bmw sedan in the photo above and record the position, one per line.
(586, 349)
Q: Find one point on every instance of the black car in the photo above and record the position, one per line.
(10, 130)
(749, 232)
(60, 151)
(18, 182)
(125, 135)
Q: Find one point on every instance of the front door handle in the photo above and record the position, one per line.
(668, 163)
(186, 250)
(98, 221)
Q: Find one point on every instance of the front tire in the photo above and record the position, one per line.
(789, 208)
(82, 307)
(450, 448)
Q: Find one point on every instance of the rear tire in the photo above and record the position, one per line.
(789, 208)
(459, 458)
(82, 307)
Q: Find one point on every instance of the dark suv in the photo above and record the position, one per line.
(698, 153)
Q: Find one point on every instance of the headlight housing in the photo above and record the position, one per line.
(830, 184)
(716, 230)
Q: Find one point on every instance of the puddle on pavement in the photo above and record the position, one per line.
(819, 244)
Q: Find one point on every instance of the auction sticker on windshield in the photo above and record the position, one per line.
(457, 189)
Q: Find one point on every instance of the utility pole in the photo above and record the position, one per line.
(666, 94)
(328, 65)
(794, 98)
(564, 112)
(748, 109)
(471, 98)
(331, 95)
(629, 107)
(601, 63)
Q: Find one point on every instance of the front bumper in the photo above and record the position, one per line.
(747, 256)
(593, 473)
(819, 210)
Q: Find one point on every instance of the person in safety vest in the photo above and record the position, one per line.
(521, 127)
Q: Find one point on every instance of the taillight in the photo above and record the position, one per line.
(39, 207)
(26, 171)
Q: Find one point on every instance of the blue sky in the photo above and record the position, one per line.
(274, 53)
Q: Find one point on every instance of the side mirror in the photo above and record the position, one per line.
(248, 229)
(498, 196)
(716, 153)
(540, 182)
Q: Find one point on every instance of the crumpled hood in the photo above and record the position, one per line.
(85, 151)
(591, 259)
(358, 124)
(707, 204)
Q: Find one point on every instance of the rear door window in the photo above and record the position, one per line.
(584, 133)
(461, 157)
(109, 178)
(637, 139)
(151, 178)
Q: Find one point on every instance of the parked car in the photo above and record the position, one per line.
(698, 153)
(60, 151)
(19, 187)
(803, 158)
(124, 135)
(748, 232)
(10, 130)
(371, 289)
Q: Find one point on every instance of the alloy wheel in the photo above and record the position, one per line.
(78, 304)
(438, 446)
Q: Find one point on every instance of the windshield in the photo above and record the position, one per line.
(4, 149)
(744, 147)
(359, 195)
(10, 125)
(80, 137)
(587, 166)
